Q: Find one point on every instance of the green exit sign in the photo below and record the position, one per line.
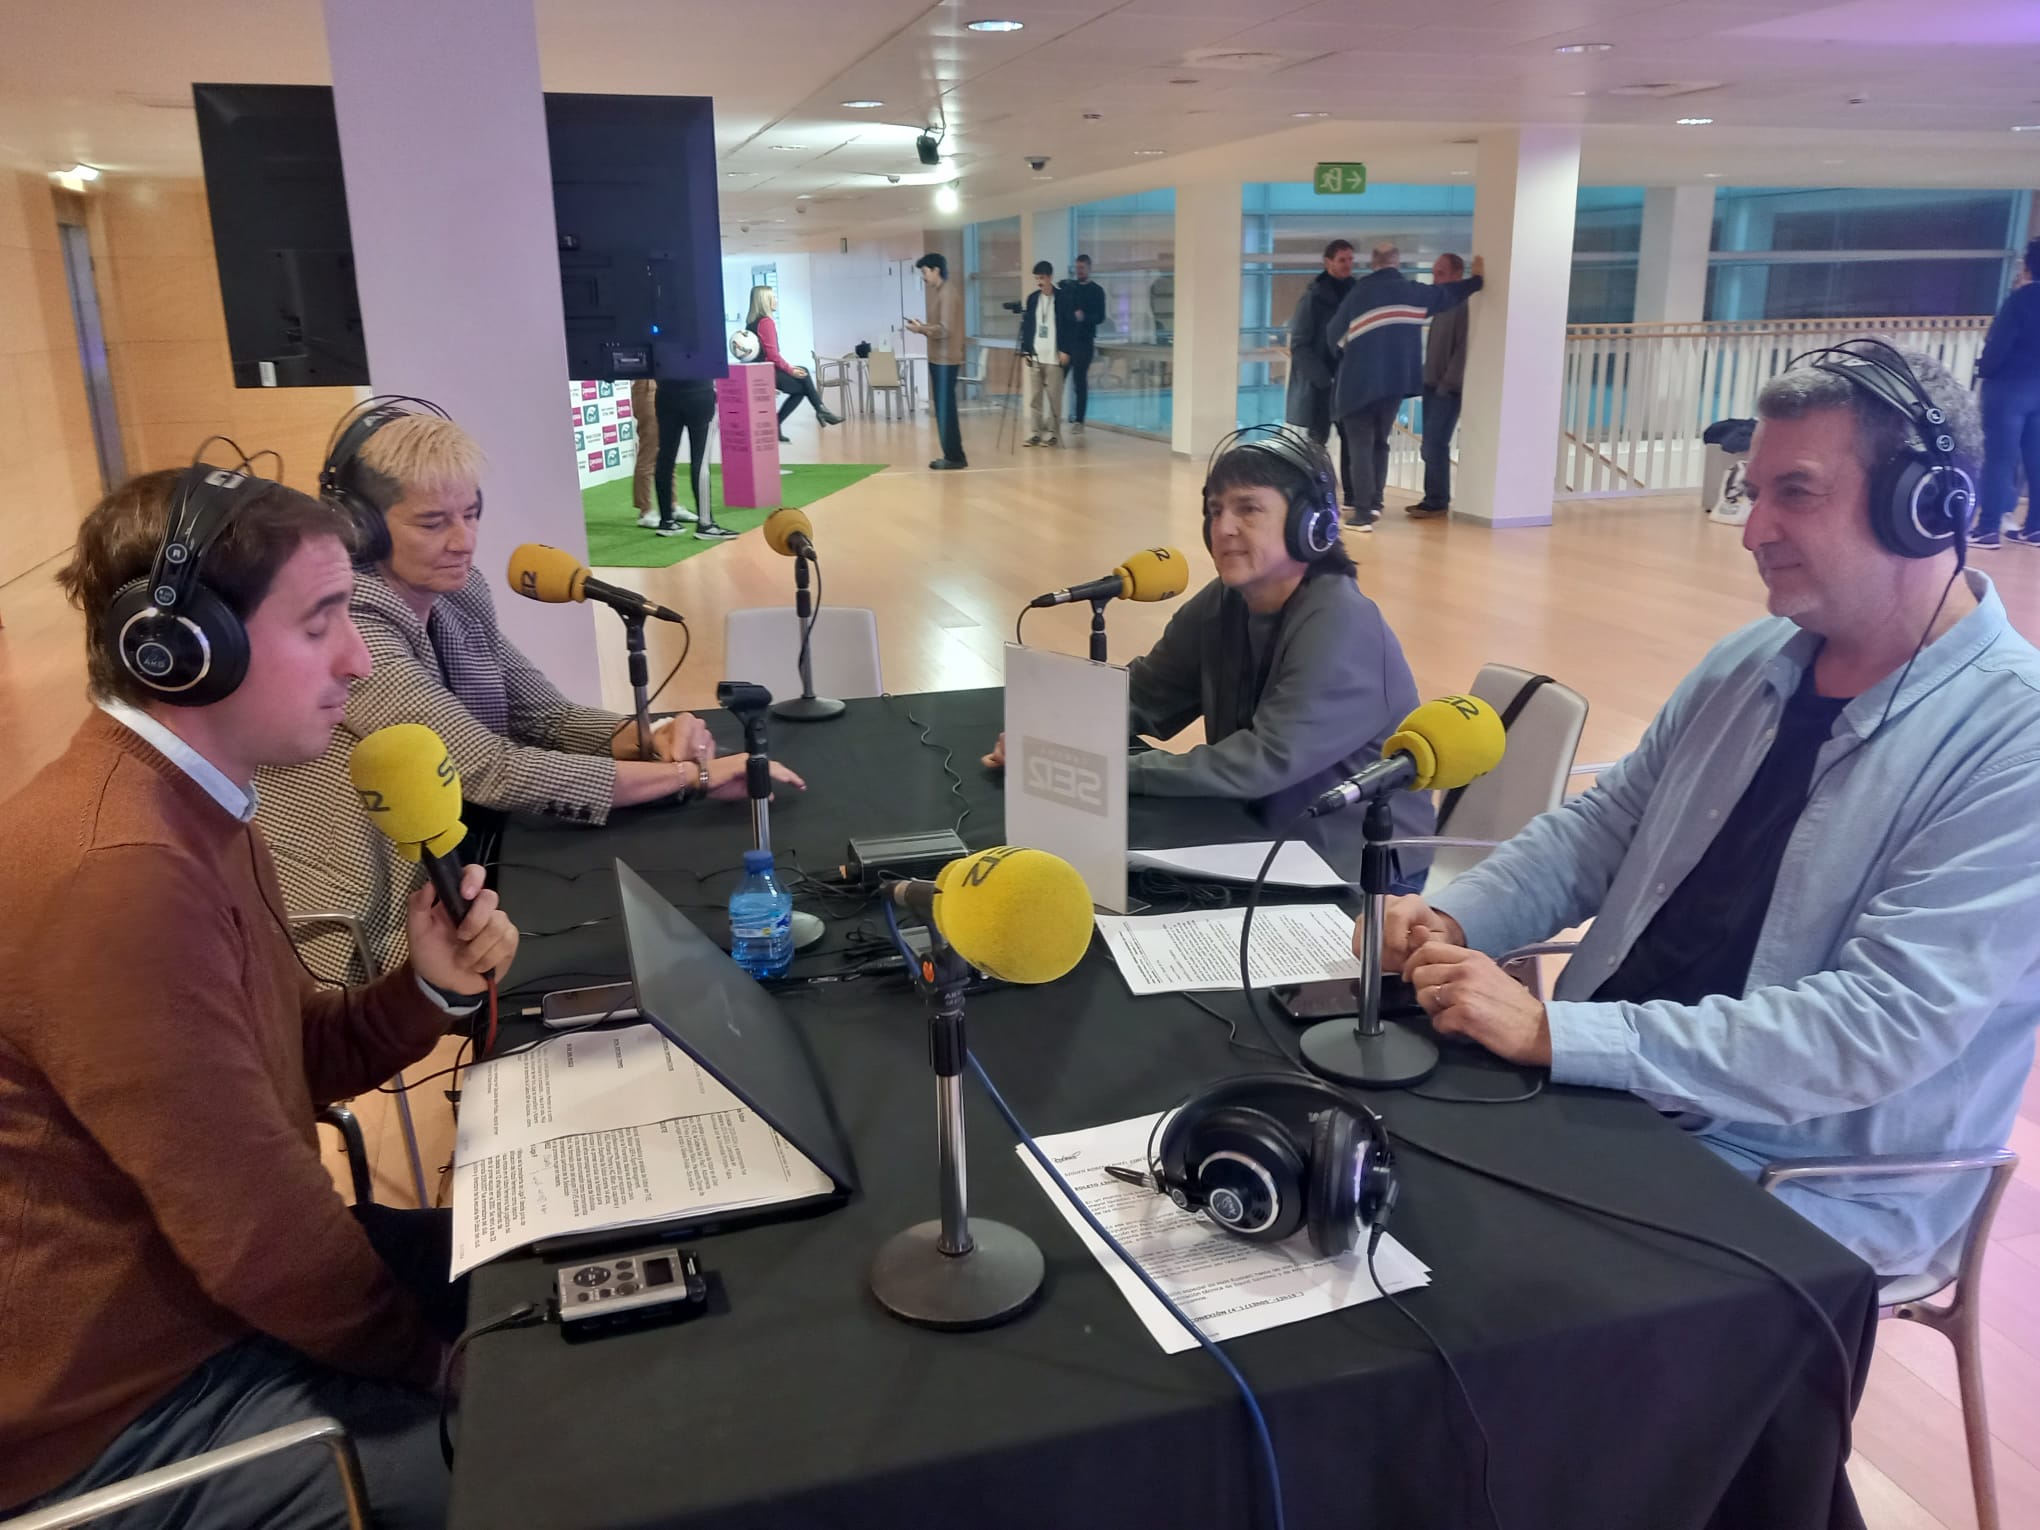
(1343, 180)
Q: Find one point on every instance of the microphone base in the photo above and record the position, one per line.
(993, 1283)
(1397, 1057)
(807, 708)
(807, 930)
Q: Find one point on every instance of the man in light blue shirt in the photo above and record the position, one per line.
(1812, 882)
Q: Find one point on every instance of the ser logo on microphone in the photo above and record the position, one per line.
(1465, 706)
(983, 865)
(1065, 776)
(527, 584)
(371, 801)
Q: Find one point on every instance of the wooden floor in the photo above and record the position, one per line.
(1618, 600)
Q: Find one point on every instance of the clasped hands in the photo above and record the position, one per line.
(1464, 992)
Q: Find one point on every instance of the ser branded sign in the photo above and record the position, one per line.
(1067, 777)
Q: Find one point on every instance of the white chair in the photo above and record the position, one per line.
(882, 375)
(325, 1432)
(833, 372)
(974, 375)
(762, 644)
(1960, 1266)
(1531, 779)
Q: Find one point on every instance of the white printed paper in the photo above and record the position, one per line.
(1200, 952)
(601, 1130)
(1225, 1284)
(1298, 865)
(583, 1082)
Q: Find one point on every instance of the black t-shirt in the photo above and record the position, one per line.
(1701, 941)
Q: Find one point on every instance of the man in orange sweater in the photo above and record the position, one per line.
(176, 1269)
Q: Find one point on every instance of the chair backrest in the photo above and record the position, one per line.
(884, 369)
(1532, 776)
(762, 644)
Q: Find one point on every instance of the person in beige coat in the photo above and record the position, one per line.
(944, 332)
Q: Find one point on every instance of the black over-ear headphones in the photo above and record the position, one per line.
(1922, 502)
(337, 485)
(172, 631)
(1312, 529)
(1268, 1153)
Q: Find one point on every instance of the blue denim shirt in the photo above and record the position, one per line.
(1891, 1002)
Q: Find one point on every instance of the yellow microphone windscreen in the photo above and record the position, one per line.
(1023, 916)
(1453, 740)
(1155, 573)
(539, 572)
(409, 787)
(782, 525)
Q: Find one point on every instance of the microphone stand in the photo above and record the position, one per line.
(1369, 1051)
(806, 707)
(807, 928)
(953, 1272)
(1098, 629)
(640, 678)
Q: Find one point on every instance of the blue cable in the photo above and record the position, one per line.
(1261, 1435)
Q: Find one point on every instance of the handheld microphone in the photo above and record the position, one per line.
(1019, 915)
(1155, 573)
(789, 533)
(411, 791)
(539, 572)
(1443, 745)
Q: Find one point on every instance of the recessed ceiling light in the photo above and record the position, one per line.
(860, 106)
(736, 175)
(1583, 48)
(946, 199)
(2024, 127)
(995, 26)
(1184, 81)
(1462, 172)
(1146, 153)
(790, 148)
(805, 196)
(1710, 175)
(1310, 114)
(1044, 177)
(1695, 121)
(1575, 92)
(1093, 116)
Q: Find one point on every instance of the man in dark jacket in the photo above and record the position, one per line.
(2010, 367)
(1444, 381)
(1374, 334)
(1087, 312)
(1045, 353)
(1311, 365)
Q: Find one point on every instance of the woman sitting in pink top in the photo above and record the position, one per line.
(792, 380)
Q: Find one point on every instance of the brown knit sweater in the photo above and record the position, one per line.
(162, 1055)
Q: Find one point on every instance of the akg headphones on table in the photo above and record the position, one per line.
(337, 484)
(1312, 529)
(172, 631)
(1922, 501)
(1266, 1154)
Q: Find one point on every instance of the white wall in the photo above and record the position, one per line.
(863, 293)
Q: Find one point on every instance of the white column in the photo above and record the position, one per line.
(449, 193)
(1524, 197)
(1045, 236)
(1206, 365)
(1671, 264)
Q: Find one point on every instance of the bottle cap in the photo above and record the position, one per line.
(756, 861)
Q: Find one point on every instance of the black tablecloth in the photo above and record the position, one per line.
(1626, 1378)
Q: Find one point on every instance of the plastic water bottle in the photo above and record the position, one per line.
(761, 919)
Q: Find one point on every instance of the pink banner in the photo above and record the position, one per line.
(747, 417)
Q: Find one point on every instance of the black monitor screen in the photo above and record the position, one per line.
(634, 204)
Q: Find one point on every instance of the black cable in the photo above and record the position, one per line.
(530, 1315)
(807, 629)
(583, 924)
(1487, 1446)
(1536, 1088)
(948, 768)
(1595, 1208)
(1254, 1005)
(1019, 622)
(1232, 1033)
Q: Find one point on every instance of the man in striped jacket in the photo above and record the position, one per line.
(1377, 334)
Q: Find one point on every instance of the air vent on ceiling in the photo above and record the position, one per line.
(1660, 90)
(1244, 60)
